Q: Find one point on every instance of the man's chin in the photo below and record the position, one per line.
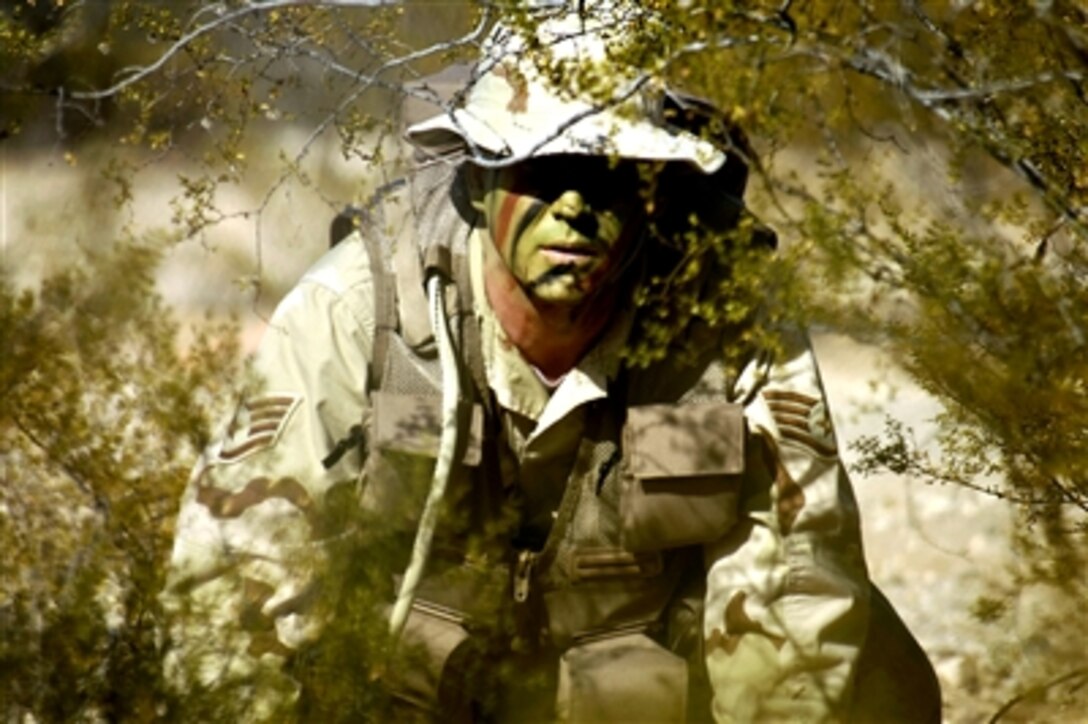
(559, 291)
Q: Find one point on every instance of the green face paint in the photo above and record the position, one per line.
(562, 224)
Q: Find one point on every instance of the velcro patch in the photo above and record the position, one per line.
(256, 425)
(803, 420)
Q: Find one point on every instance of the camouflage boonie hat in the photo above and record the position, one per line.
(510, 110)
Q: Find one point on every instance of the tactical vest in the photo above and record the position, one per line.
(602, 619)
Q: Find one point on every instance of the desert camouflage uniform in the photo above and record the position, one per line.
(786, 604)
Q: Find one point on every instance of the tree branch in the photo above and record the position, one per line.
(941, 101)
(1035, 691)
(139, 73)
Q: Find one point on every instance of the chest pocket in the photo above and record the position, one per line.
(404, 438)
(682, 473)
(412, 424)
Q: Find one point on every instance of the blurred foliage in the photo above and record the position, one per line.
(924, 163)
(102, 415)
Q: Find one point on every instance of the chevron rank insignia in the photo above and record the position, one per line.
(256, 425)
(803, 420)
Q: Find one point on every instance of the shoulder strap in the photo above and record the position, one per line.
(398, 275)
(350, 221)
(385, 311)
(470, 331)
(347, 222)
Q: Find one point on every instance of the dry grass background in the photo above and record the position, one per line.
(934, 550)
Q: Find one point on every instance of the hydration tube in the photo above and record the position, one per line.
(447, 446)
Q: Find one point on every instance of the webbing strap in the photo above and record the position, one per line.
(399, 300)
(411, 297)
(385, 310)
(357, 220)
(470, 331)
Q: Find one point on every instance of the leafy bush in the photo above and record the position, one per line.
(103, 412)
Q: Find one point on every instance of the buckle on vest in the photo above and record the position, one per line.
(523, 573)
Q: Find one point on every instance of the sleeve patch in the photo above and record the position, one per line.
(257, 425)
(803, 420)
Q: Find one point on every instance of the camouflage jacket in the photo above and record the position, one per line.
(785, 594)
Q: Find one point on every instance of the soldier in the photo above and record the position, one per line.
(588, 540)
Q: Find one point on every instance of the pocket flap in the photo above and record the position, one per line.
(413, 424)
(685, 441)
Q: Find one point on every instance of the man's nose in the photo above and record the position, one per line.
(570, 205)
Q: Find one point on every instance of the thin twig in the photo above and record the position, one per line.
(1035, 691)
(139, 73)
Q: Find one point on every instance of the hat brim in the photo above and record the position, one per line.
(582, 131)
